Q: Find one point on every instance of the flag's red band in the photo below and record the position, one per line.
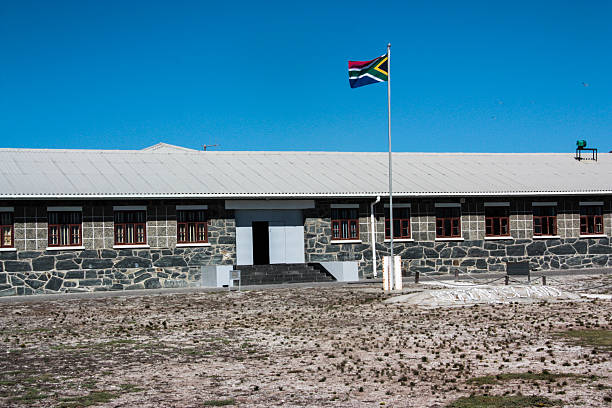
(359, 64)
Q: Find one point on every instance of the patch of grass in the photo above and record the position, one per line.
(195, 352)
(219, 403)
(31, 395)
(96, 397)
(593, 338)
(130, 388)
(503, 401)
(543, 376)
(93, 398)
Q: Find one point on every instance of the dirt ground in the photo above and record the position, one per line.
(316, 347)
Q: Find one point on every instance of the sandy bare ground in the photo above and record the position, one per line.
(338, 346)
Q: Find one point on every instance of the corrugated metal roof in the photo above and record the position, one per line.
(40, 173)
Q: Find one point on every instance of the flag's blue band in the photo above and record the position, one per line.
(365, 80)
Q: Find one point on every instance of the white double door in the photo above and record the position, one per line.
(285, 235)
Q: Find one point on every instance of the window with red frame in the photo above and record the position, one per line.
(448, 222)
(497, 221)
(591, 220)
(191, 227)
(401, 223)
(64, 228)
(130, 227)
(345, 223)
(6, 230)
(544, 220)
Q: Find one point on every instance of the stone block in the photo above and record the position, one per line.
(515, 250)
(536, 248)
(143, 254)
(108, 253)
(574, 261)
(28, 254)
(564, 249)
(593, 249)
(152, 283)
(169, 261)
(415, 252)
(65, 256)
(17, 266)
(97, 263)
(133, 262)
(477, 253)
(54, 284)
(8, 256)
(600, 260)
(90, 282)
(67, 264)
(89, 254)
(75, 274)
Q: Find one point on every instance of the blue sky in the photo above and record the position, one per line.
(466, 76)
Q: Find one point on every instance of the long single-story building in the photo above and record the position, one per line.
(81, 220)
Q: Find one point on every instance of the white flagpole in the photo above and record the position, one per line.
(392, 263)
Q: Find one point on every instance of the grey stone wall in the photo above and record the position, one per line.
(423, 252)
(490, 256)
(31, 269)
(33, 272)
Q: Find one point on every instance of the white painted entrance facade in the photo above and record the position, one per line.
(285, 228)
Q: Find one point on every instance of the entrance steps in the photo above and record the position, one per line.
(275, 274)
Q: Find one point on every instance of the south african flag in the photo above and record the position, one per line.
(368, 72)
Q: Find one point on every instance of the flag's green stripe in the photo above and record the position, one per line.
(354, 74)
(373, 72)
(378, 74)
